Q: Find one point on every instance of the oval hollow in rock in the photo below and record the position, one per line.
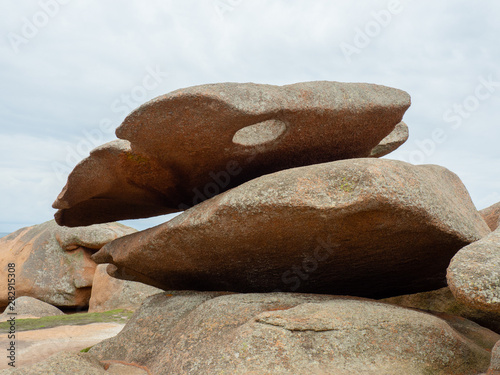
(260, 133)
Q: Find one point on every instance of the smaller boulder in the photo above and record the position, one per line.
(491, 215)
(390, 143)
(474, 276)
(109, 293)
(28, 307)
(52, 263)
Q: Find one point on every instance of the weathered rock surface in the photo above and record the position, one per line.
(474, 274)
(491, 215)
(52, 263)
(193, 143)
(28, 307)
(62, 363)
(480, 335)
(109, 293)
(390, 143)
(443, 301)
(71, 363)
(284, 333)
(365, 227)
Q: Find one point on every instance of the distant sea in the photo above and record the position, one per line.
(3, 234)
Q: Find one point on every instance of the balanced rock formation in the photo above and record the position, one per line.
(390, 143)
(285, 333)
(189, 145)
(492, 216)
(283, 192)
(474, 274)
(109, 293)
(52, 263)
(364, 227)
(28, 307)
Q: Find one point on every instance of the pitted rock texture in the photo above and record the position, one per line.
(285, 333)
(52, 263)
(109, 293)
(492, 215)
(390, 143)
(474, 274)
(365, 227)
(189, 145)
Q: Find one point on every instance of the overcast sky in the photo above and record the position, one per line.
(71, 70)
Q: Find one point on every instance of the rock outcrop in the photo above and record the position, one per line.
(364, 227)
(474, 274)
(28, 307)
(109, 293)
(52, 263)
(189, 145)
(284, 333)
(282, 191)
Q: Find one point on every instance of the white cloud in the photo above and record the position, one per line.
(65, 80)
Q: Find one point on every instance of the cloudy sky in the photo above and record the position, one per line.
(71, 70)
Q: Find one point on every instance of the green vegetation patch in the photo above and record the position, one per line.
(113, 316)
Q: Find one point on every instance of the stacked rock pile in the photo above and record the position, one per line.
(279, 191)
(283, 194)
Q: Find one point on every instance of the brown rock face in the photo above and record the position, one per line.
(284, 333)
(52, 263)
(473, 274)
(491, 215)
(390, 143)
(109, 293)
(195, 143)
(365, 227)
